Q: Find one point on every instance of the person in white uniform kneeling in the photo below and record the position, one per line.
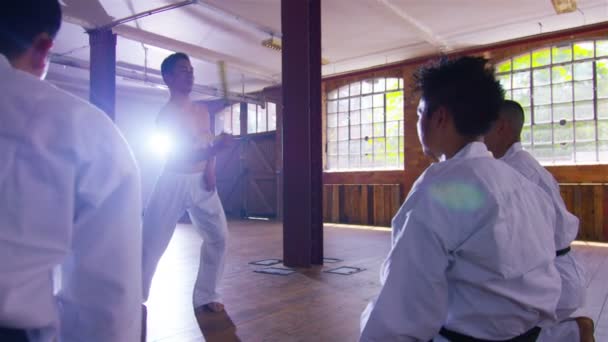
(187, 183)
(504, 142)
(472, 255)
(70, 200)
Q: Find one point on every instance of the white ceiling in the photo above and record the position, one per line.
(356, 34)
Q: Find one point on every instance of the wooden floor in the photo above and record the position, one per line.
(309, 305)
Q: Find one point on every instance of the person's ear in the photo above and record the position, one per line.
(41, 49)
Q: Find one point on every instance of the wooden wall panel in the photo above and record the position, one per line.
(588, 202)
(366, 204)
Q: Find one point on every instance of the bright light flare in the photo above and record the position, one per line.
(160, 144)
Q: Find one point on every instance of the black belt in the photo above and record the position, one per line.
(13, 335)
(529, 336)
(563, 251)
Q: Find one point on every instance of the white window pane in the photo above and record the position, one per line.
(542, 95)
(332, 134)
(562, 53)
(343, 133)
(366, 102)
(227, 118)
(602, 129)
(355, 132)
(251, 118)
(542, 77)
(378, 114)
(392, 129)
(563, 111)
(367, 116)
(601, 48)
(583, 90)
(527, 116)
(541, 134)
(332, 120)
(521, 79)
(332, 95)
(343, 91)
(562, 92)
(367, 161)
(602, 109)
(563, 133)
(543, 153)
(332, 162)
(332, 148)
(262, 120)
(332, 106)
(367, 131)
(354, 161)
(586, 152)
(392, 144)
(562, 73)
(272, 119)
(355, 117)
(379, 85)
(236, 119)
(379, 100)
(379, 129)
(583, 110)
(379, 161)
(563, 153)
(601, 71)
(392, 160)
(392, 83)
(355, 103)
(401, 129)
(367, 87)
(219, 123)
(542, 114)
(367, 146)
(343, 162)
(583, 71)
(343, 106)
(342, 119)
(355, 147)
(355, 89)
(584, 131)
(343, 148)
(602, 147)
(583, 50)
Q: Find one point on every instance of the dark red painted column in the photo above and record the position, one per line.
(102, 81)
(302, 153)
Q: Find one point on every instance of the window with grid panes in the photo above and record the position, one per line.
(564, 92)
(261, 119)
(229, 120)
(365, 126)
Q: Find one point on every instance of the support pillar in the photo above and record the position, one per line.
(302, 132)
(102, 80)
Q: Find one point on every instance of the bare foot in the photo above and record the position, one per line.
(586, 328)
(213, 307)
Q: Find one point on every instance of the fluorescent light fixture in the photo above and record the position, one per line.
(564, 6)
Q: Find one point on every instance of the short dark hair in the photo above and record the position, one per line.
(21, 21)
(513, 112)
(465, 86)
(169, 63)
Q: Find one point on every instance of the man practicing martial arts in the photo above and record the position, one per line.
(503, 141)
(472, 253)
(187, 183)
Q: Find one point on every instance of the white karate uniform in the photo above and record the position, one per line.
(71, 200)
(472, 252)
(572, 273)
(175, 193)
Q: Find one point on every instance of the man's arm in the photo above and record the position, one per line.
(101, 291)
(412, 304)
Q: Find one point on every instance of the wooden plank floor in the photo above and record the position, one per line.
(309, 305)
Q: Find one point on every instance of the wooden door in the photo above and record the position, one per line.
(259, 166)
